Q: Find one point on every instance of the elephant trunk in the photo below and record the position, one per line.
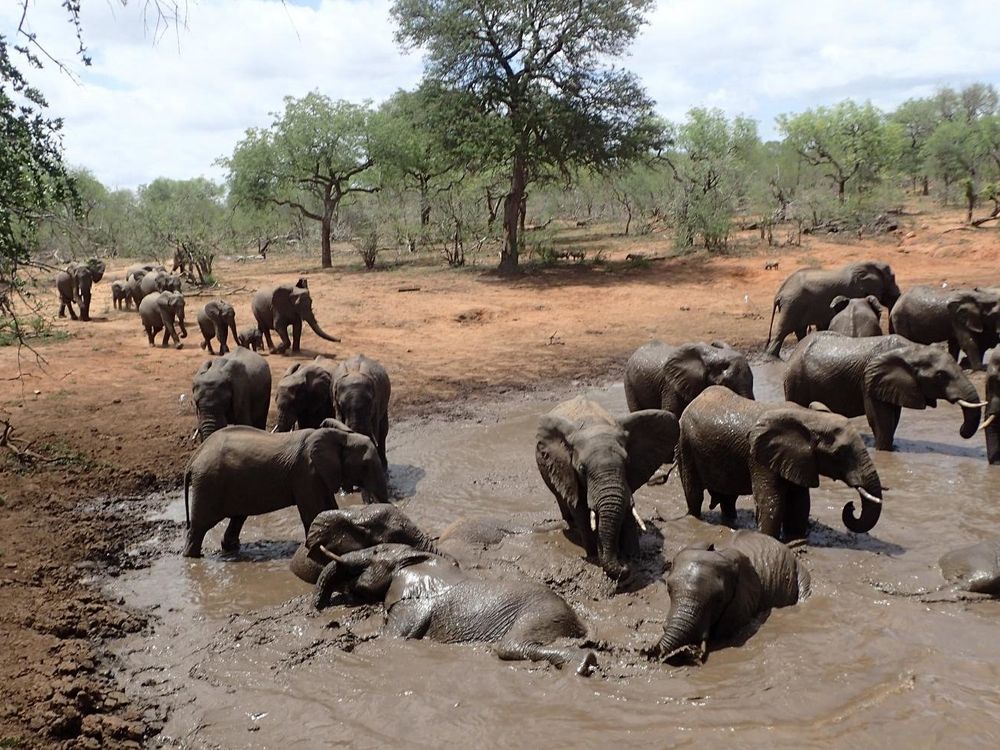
(609, 502)
(684, 634)
(311, 320)
(180, 324)
(286, 420)
(964, 393)
(209, 423)
(869, 488)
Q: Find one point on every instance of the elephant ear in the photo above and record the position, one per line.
(281, 297)
(742, 579)
(965, 311)
(839, 303)
(685, 372)
(784, 444)
(891, 378)
(652, 437)
(554, 456)
(875, 305)
(292, 370)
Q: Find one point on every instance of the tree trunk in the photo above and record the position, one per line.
(512, 216)
(841, 188)
(425, 204)
(926, 189)
(327, 228)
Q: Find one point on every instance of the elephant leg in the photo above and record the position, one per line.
(796, 521)
(511, 650)
(883, 418)
(166, 337)
(694, 489)
(971, 348)
(727, 506)
(296, 334)
(266, 333)
(383, 432)
(207, 344)
(151, 335)
(324, 586)
(993, 444)
(195, 538)
(769, 497)
(231, 539)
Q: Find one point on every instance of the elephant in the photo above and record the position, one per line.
(158, 312)
(242, 471)
(282, 306)
(488, 531)
(233, 389)
(361, 391)
(593, 463)
(990, 426)
(856, 317)
(660, 376)
(250, 338)
(159, 281)
(733, 446)
(74, 285)
(141, 269)
(353, 528)
(804, 298)
(716, 590)
(304, 395)
(216, 319)
(877, 376)
(964, 318)
(121, 298)
(429, 596)
(133, 289)
(975, 569)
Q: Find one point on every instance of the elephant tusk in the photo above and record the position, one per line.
(194, 434)
(987, 422)
(593, 521)
(274, 429)
(970, 405)
(866, 495)
(638, 520)
(331, 555)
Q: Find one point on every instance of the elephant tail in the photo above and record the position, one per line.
(187, 506)
(775, 306)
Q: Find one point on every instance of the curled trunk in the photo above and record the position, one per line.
(286, 420)
(683, 634)
(311, 320)
(970, 421)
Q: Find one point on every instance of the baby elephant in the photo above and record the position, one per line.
(158, 312)
(216, 319)
(429, 596)
(856, 317)
(361, 393)
(975, 569)
(717, 590)
(250, 338)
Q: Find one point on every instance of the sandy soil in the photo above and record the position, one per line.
(104, 413)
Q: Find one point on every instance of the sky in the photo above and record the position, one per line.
(171, 104)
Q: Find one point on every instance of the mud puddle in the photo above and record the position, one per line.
(244, 662)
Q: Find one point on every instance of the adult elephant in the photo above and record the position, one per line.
(141, 269)
(878, 376)
(990, 424)
(660, 376)
(231, 390)
(733, 446)
(158, 312)
(716, 590)
(429, 596)
(304, 396)
(804, 298)
(74, 285)
(282, 306)
(593, 463)
(216, 319)
(856, 317)
(361, 391)
(964, 318)
(243, 471)
(159, 281)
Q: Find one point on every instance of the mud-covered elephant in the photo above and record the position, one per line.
(964, 318)
(361, 391)
(732, 446)
(233, 389)
(216, 319)
(717, 590)
(282, 306)
(974, 568)
(159, 281)
(990, 425)
(159, 312)
(250, 338)
(856, 317)
(121, 299)
(304, 396)
(593, 463)
(429, 596)
(804, 298)
(74, 285)
(353, 528)
(242, 471)
(877, 376)
(660, 376)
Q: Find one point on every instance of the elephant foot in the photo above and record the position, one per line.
(729, 520)
(179, 345)
(230, 545)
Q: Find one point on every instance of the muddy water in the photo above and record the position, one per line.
(245, 663)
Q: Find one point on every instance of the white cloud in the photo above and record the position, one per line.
(171, 108)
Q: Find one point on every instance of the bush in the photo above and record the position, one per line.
(368, 249)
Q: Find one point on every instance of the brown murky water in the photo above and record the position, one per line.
(246, 663)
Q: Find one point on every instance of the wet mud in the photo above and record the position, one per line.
(241, 660)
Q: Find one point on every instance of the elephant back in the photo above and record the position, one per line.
(261, 306)
(584, 411)
(781, 575)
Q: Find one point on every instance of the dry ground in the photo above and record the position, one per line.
(105, 411)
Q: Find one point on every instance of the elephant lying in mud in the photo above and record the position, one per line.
(856, 317)
(975, 569)
(593, 463)
(732, 446)
(717, 590)
(353, 528)
(429, 596)
(488, 531)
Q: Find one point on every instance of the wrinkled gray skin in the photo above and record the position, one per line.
(133, 288)
(856, 317)
(804, 298)
(975, 568)
(141, 269)
(660, 376)
(593, 463)
(733, 446)
(242, 471)
(964, 318)
(991, 415)
(429, 596)
(216, 319)
(489, 531)
(877, 377)
(717, 590)
(74, 285)
(250, 338)
(361, 393)
(282, 306)
(233, 389)
(304, 396)
(159, 281)
(121, 299)
(353, 528)
(158, 312)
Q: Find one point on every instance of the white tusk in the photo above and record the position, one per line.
(274, 429)
(865, 494)
(970, 405)
(194, 434)
(638, 520)
(331, 555)
(988, 421)
(593, 521)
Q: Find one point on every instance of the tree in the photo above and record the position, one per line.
(536, 72)
(918, 119)
(957, 151)
(314, 155)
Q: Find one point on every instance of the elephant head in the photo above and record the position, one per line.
(294, 303)
(304, 396)
(96, 267)
(800, 445)
(692, 368)
(974, 316)
(172, 309)
(360, 466)
(595, 468)
(841, 303)
(366, 574)
(876, 278)
(212, 390)
(355, 399)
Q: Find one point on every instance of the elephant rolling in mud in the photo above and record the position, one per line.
(233, 389)
(243, 471)
(593, 463)
(216, 319)
(158, 313)
(804, 298)
(877, 376)
(282, 306)
(856, 317)
(975, 569)
(732, 446)
(74, 285)
(717, 590)
(361, 391)
(429, 596)
(304, 396)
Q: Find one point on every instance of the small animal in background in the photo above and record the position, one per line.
(771, 265)
(249, 338)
